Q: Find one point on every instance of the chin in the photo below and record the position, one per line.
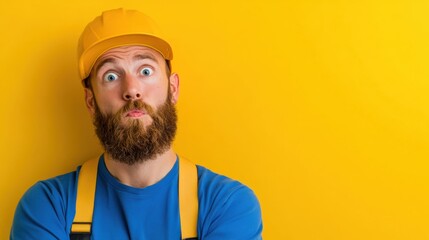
(144, 120)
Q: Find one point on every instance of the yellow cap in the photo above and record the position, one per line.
(115, 28)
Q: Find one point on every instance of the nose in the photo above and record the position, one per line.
(132, 89)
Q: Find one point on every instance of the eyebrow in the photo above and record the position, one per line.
(103, 62)
(145, 56)
(136, 57)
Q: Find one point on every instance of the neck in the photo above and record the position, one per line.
(142, 174)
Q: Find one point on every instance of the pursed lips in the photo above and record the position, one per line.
(135, 113)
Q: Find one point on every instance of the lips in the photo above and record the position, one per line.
(135, 113)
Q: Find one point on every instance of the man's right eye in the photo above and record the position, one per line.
(110, 77)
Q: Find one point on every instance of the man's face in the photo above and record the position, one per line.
(132, 101)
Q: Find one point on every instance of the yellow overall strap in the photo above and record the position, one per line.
(188, 198)
(85, 197)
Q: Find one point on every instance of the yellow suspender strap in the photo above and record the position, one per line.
(85, 197)
(188, 198)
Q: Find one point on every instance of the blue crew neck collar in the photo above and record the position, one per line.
(161, 184)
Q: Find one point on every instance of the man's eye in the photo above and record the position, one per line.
(146, 71)
(110, 77)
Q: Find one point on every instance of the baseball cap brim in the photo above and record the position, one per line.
(91, 54)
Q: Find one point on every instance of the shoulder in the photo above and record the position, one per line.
(214, 185)
(46, 203)
(228, 208)
(58, 189)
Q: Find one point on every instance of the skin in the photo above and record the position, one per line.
(126, 74)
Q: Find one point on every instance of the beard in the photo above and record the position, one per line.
(132, 142)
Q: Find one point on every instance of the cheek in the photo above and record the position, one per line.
(107, 102)
(159, 94)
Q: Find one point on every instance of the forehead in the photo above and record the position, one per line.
(129, 53)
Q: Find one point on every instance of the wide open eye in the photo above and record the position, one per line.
(109, 77)
(146, 71)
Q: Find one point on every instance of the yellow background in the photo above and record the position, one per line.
(321, 107)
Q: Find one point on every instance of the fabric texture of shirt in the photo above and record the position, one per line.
(227, 209)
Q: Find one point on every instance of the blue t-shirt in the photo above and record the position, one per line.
(227, 209)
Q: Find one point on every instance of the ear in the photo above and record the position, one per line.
(90, 101)
(174, 87)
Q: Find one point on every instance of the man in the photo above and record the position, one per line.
(130, 92)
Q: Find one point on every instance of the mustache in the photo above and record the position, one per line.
(136, 105)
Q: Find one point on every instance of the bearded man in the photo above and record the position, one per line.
(130, 92)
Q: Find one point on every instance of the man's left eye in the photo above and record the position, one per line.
(146, 71)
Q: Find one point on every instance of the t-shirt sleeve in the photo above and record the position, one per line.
(237, 217)
(40, 214)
